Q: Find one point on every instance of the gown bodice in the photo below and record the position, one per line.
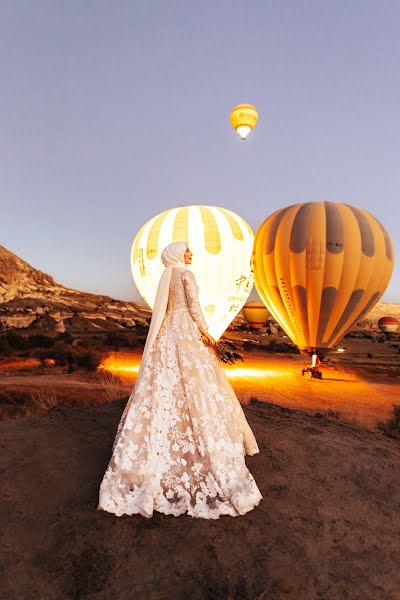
(183, 295)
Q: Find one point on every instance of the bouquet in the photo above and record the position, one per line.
(226, 351)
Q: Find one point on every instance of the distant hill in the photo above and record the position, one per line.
(383, 309)
(31, 299)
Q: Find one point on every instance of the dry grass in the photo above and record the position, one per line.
(45, 398)
(113, 388)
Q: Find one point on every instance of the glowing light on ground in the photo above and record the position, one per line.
(116, 365)
(125, 366)
(237, 372)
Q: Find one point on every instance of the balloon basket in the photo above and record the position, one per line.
(311, 373)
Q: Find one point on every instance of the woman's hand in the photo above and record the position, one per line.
(210, 338)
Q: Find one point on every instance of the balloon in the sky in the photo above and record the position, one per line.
(221, 242)
(243, 119)
(255, 313)
(319, 268)
(388, 324)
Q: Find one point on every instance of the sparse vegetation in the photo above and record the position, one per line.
(112, 385)
(16, 404)
(329, 413)
(45, 398)
(87, 360)
(5, 348)
(16, 340)
(391, 428)
(38, 340)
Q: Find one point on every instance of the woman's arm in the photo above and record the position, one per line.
(192, 290)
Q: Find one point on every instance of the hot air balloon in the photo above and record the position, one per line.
(244, 118)
(388, 324)
(221, 242)
(319, 268)
(255, 314)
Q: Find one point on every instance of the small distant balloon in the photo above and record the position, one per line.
(243, 119)
(255, 314)
(388, 324)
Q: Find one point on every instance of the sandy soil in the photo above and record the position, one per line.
(327, 526)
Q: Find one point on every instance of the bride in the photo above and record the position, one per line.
(181, 441)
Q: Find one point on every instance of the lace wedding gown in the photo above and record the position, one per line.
(181, 442)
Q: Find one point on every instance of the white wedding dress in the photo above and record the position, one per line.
(181, 442)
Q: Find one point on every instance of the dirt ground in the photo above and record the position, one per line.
(327, 526)
(362, 392)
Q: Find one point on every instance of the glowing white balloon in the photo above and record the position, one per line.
(222, 244)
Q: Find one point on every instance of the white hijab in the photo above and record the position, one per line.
(173, 257)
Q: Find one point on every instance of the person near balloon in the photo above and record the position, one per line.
(182, 439)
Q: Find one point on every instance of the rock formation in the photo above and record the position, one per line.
(33, 300)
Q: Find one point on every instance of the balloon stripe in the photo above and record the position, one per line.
(300, 301)
(211, 232)
(334, 228)
(136, 245)
(152, 239)
(316, 254)
(181, 225)
(348, 268)
(273, 225)
(283, 272)
(367, 238)
(327, 302)
(299, 233)
(235, 227)
(388, 242)
(355, 299)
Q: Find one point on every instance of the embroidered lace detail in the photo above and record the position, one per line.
(182, 438)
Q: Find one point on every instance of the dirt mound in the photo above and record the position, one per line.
(327, 526)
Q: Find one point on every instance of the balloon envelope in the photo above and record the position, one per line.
(221, 242)
(319, 268)
(255, 313)
(388, 324)
(243, 119)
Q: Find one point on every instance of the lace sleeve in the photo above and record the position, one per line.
(192, 290)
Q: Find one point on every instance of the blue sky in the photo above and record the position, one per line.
(114, 111)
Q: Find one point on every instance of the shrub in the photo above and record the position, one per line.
(116, 339)
(16, 340)
(391, 428)
(41, 354)
(65, 337)
(15, 398)
(5, 347)
(88, 360)
(39, 340)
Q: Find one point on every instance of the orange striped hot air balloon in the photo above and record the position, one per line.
(221, 242)
(255, 314)
(319, 268)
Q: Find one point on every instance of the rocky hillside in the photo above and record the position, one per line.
(32, 300)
